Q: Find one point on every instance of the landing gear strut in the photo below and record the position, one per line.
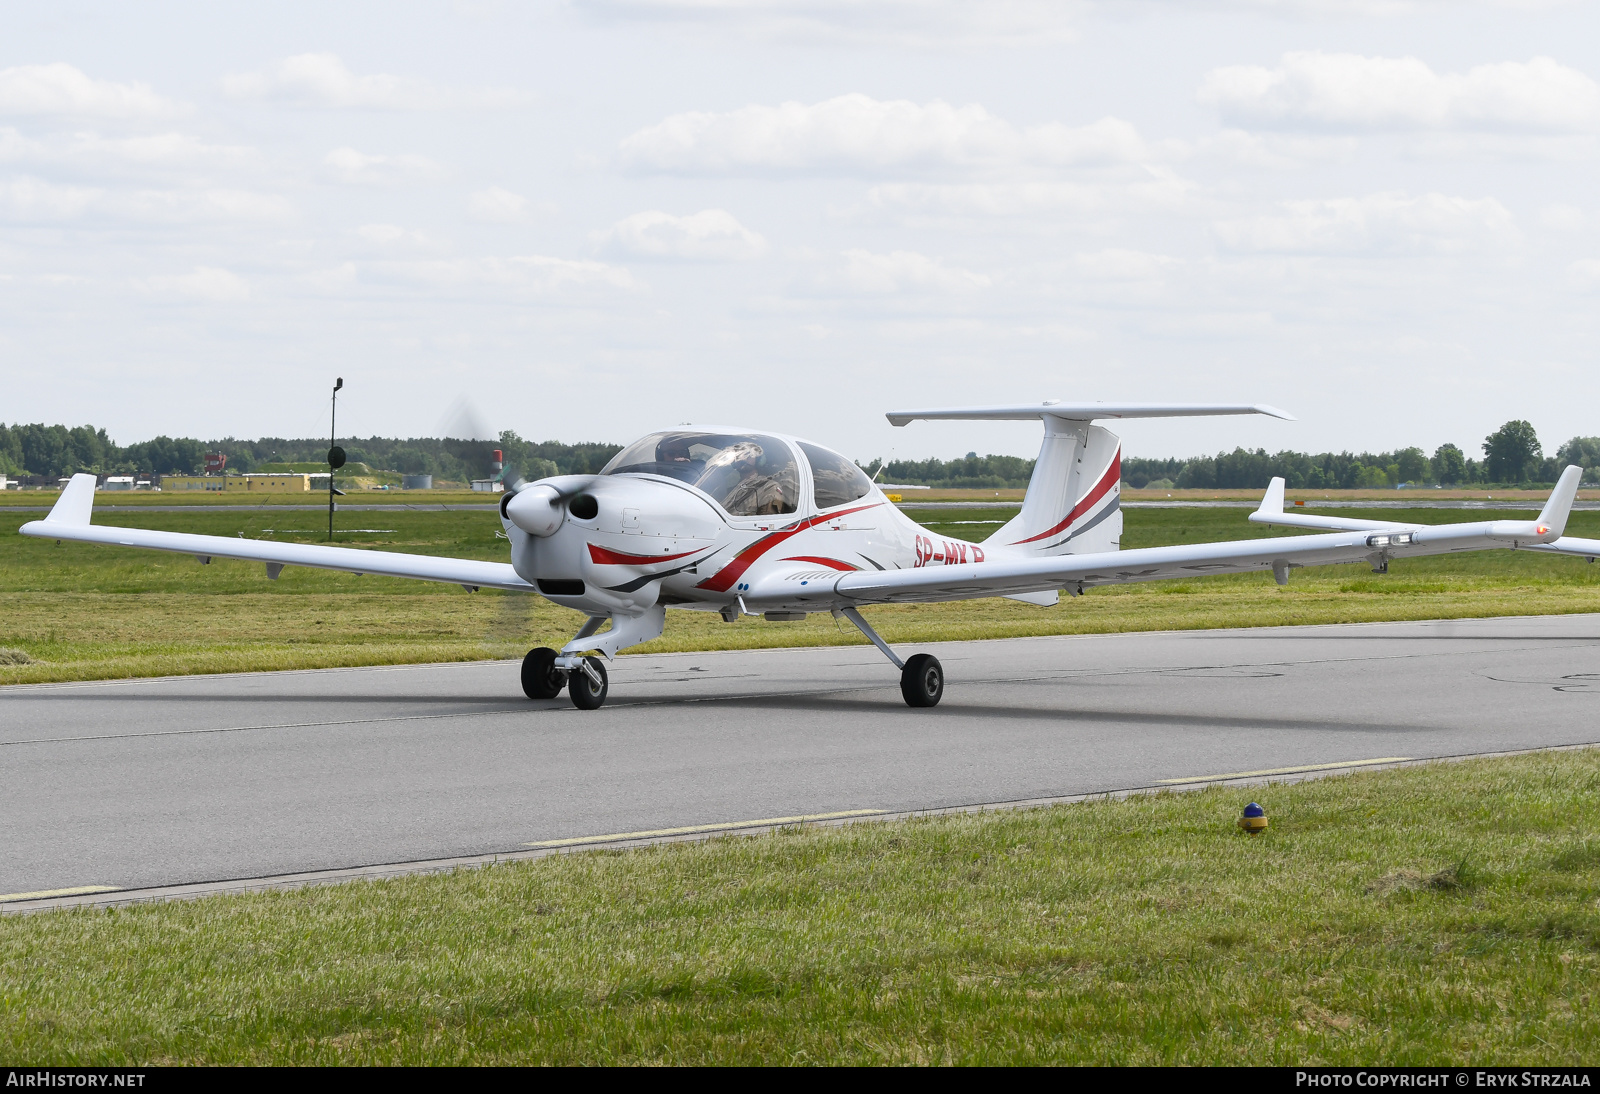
(921, 678)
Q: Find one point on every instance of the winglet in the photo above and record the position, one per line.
(1554, 514)
(75, 503)
(1271, 501)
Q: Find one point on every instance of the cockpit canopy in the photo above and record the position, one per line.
(834, 479)
(748, 474)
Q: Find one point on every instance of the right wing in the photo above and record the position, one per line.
(1000, 576)
(69, 519)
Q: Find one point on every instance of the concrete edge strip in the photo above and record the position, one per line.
(377, 872)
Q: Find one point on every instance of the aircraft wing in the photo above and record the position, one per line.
(69, 520)
(1271, 512)
(1000, 576)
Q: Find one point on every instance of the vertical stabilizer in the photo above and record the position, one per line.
(76, 502)
(1073, 502)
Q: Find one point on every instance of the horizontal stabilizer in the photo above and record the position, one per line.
(1081, 412)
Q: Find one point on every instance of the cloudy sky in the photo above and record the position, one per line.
(590, 218)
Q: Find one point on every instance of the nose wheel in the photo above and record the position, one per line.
(587, 684)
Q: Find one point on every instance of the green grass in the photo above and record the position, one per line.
(1442, 914)
(86, 612)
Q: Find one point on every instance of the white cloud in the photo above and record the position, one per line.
(91, 153)
(855, 133)
(1388, 222)
(1348, 91)
(1121, 264)
(390, 235)
(1586, 271)
(62, 90)
(497, 206)
(33, 200)
(709, 235)
(535, 274)
(912, 23)
(1160, 191)
(902, 271)
(361, 169)
(322, 80)
(205, 283)
(1277, 151)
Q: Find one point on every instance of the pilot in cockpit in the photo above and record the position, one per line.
(737, 477)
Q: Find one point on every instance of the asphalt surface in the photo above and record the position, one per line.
(132, 784)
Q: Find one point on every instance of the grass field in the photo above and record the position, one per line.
(1443, 914)
(77, 611)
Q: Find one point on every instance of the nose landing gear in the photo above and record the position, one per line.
(587, 684)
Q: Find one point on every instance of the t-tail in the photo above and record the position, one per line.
(1073, 504)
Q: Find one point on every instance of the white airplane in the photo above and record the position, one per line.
(743, 522)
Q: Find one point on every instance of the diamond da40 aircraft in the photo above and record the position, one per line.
(745, 522)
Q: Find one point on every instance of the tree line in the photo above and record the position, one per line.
(56, 451)
(1512, 455)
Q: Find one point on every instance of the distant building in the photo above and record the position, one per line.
(118, 482)
(256, 484)
(216, 463)
(488, 486)
(416, 482)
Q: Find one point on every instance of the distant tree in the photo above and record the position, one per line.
(1583, 451)
(1512, 453)
(1449, 465)
(1411, 465)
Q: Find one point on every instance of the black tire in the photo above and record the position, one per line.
(540, 677)
(585, 694)
(922, 681)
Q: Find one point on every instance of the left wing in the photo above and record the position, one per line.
(1379, 544)
(69, 519)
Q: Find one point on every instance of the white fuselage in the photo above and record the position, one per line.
(653, 540)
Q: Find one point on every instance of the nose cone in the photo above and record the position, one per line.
(536, 509)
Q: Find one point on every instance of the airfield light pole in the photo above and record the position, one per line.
(335, 453)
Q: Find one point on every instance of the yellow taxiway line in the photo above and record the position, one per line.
(45, 894)
(693, 828)
(1285, 770)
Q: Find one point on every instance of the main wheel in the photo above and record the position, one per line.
(540, 677)
(585, 693)
(922, 681)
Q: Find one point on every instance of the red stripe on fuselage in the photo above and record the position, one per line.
(1112, 476)
(723, 579)
(831, 563)
(616, 558)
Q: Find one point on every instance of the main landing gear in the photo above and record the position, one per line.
(586, 685)
(921, 677)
